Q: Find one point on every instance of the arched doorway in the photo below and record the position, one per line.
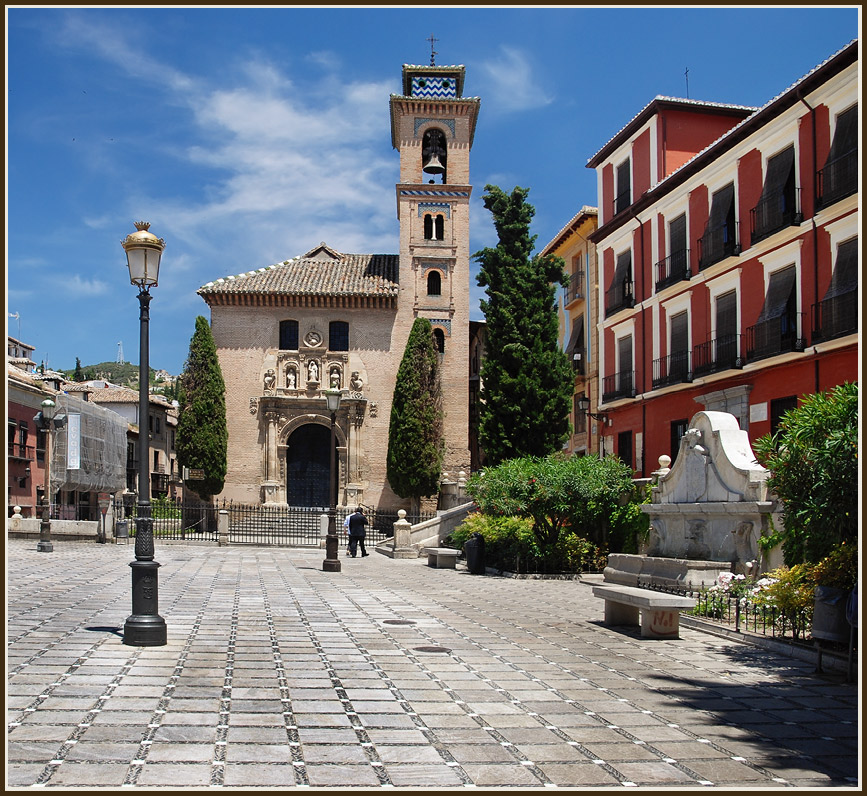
(308, 466)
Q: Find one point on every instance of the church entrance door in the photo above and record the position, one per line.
(308, 466)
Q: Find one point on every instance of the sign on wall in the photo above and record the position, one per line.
(73, 442)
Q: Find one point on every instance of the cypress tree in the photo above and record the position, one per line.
(202, 435)
(415, 432)
(78, 375)
(526, 378)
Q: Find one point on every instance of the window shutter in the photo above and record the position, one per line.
(623, 269)
(721, 205)
(845, 276)
(780, 290)
(726, 314)
(781, 168)
(624, 352)
(845, 135)
(679, 333)
(677, 235)
(576, 341)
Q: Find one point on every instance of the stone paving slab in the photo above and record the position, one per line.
(277, 674)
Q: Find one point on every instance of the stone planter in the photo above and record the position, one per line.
(829, 615)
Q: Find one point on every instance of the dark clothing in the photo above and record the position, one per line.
(357, 532)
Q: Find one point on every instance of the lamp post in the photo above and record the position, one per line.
(144, 627)
(332, 562)
(44, 545)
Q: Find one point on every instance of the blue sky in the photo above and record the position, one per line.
(248, 135)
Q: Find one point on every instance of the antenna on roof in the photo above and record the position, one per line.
(433, 52)
(686, 75)
(120, 353)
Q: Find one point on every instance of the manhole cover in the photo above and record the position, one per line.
(431, 649)
(399, 622)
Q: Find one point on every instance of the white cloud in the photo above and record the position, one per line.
(510, 84)
(86, 287)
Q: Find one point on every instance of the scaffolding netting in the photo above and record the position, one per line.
(98, 447)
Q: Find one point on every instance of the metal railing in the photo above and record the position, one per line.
(838, 179)
(672, 269)
(618, 385)
(672, 369)
(744, 615)
(775, 212)
(718, 243)
(575, 289)
(775, 336)
(20, 450)
(619, 296)
(622, 200)
(835, 317)
(719, 353)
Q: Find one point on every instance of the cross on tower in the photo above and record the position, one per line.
(433, 52)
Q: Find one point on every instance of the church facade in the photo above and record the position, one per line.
(327, 319)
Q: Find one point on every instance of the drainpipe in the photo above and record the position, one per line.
(815, 231)
(643, 344)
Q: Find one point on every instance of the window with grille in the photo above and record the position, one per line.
(288, 335)
(679, 345)
(338, 336)
(838, 178)
(719, 238)
(777, 207)
(779, 407)
(623, 197)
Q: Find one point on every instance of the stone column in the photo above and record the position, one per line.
(271, 483)
(402, 538)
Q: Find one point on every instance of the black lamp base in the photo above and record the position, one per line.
(145, 627)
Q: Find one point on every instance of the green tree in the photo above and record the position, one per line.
(588, 496)
(415, 431)
(527, 380)
(78, 374)
(813, 459)
(202, 435)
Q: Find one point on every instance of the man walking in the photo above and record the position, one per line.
(357, 532)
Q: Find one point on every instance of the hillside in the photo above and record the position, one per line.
(118, 373)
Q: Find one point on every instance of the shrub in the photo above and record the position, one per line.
(839, 569)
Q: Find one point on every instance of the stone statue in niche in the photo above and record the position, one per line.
(334, 379)
(355, 381)
(313, 371)
(270, 380)
(291, 378)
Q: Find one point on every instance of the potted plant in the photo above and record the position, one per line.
(835, 577)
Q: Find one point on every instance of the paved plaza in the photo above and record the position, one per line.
(388, 674)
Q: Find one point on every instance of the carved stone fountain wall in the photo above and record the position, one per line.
(707, 512)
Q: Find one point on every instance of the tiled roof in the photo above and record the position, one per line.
(321, 272)
(109, 395)
(586, 211)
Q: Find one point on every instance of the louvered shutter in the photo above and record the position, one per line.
(845, 276)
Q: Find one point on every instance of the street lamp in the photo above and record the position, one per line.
(584, 406)
(332, 562)
(46, 422)
(144, 627)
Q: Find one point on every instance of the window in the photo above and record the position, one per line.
(720, 233)
(679, 346)
(440, 340)
(777, 207)
(579, 414)
(156, 461)
(726, 329)
(839, 176)
(625, 385)
(338, 336)
(428, 226)
(575, 349)
(440, 226)
(434, 283)
(776, 329)
(157, 425)
(288, 335)
(619, 294)
(678, 429)
(676, 266)
(623, 197)
(837, 314)
(624, 447)
(779, 406)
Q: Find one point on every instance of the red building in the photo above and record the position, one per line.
(728, 257)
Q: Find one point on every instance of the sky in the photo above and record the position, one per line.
(247, 136)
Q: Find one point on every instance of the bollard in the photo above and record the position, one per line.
(223, 528)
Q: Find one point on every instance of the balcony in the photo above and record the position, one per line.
(672, 269)
(673, 369)
(578, 362)
(618, 297)
(718, 243)
(575, 289)
(775, 336)
(21, 452)
(773, 213)
(720, 353)
(835, 317)
(838, 179)
(619, 385)
(159, 482)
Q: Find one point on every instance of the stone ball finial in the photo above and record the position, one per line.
(16, 512)
(401, 514)
(664, 462)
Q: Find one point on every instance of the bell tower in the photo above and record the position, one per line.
(432, 127)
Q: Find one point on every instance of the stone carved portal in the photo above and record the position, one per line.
(308, 464)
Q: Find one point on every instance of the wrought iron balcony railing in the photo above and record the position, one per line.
(622, 201)
(719, 353)
(18, 450)
(775, 336)
(575, 289)
(672, 269)
(619, 296)
(718, 243)
(775, 212)
(618, 385)
(835, 317)
(672, 369)
(838, 179)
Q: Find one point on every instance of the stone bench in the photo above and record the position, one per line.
(441, 557)
(660, 612)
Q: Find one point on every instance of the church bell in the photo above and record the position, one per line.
(433, 166)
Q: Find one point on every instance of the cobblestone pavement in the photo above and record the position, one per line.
(388, 674)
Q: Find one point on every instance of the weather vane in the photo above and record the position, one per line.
(433, 52)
